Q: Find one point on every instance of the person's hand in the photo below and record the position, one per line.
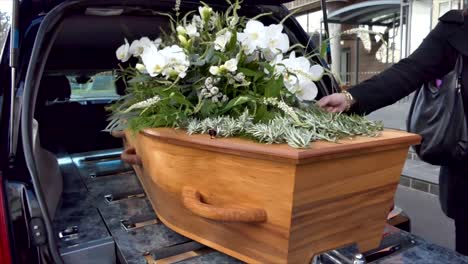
(334, 103)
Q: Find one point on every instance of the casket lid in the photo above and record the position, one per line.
(320, 150)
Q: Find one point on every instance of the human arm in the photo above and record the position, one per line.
(433, 59)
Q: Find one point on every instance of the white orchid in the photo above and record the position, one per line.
(299, 76)
(169, 62)
(123, 52)
(316, 72)
(276, 63)
(177, 62)
(276, 41)
(153, 60)
(253, 37)
(176, 55)
(209, 54)
(180, 70)
(137, 47)
(222, 40)
(308, 91)
(141, 68)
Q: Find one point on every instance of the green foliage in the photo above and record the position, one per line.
(313, 124)
(202, 76)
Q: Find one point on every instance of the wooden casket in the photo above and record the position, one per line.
(271, 203)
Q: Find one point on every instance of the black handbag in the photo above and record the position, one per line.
(437, 114)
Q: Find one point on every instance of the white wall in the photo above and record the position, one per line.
(314, 21)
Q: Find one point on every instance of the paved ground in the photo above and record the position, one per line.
(394, 116)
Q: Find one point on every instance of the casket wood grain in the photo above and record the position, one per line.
(271, 203)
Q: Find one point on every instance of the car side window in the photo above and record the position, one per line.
(98, 86)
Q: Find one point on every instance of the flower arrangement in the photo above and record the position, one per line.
(228, 75)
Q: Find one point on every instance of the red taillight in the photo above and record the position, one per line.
(5, 253)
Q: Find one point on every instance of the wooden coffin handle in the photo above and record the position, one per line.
(191, 199)
(129, 156)
(118, 133)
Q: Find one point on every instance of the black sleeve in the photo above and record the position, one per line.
(433, 59)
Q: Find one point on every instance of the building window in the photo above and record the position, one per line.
(444, 7)
(345, 67)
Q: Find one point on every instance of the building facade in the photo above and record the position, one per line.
(366, 37)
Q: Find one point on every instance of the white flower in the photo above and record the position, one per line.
(123, 52)
(299, 77)
(177, 62)
(228, 66)
(279, 68)
(181, 70)
(181, 30)
(205, 12)
(170, 61)
(141, 68)
(137, 47)
(291, 82)
(222, 40)
(231, 65)
(153, 60)
(253, 37)
(214, 90)
(196, 20)
(191, 30)
(276, 41)
(209, 82)
(144, 104)
(316, 72)
(214, 70)
(175, 54)
(308, 91)
(158, 42)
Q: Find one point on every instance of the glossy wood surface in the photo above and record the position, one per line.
(314, 200)
(192, 200)
(283, 153)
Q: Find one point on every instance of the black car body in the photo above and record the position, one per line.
(44, 122)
